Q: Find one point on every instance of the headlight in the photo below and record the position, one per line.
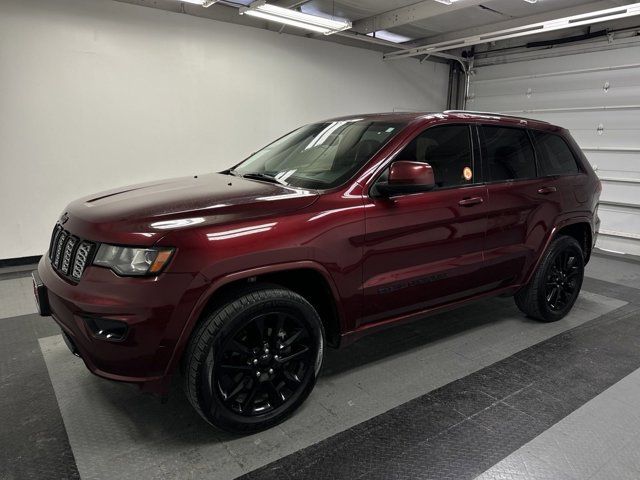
(133, 261)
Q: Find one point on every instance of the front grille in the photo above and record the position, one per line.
(69, 254)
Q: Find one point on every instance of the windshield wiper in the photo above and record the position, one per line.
(261, 176)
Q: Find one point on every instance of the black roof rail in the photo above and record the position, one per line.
(472, 112)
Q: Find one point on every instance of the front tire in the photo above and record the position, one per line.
(556, 283)
(254, 361)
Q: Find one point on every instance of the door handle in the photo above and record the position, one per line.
(547, 190)
(470, 202)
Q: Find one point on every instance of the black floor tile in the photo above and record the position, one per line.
(33, 440)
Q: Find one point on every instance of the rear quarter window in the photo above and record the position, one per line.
(554, 155)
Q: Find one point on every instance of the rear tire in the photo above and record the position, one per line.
(556, 283)
(252, 362)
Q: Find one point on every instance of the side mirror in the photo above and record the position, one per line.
(407, 177)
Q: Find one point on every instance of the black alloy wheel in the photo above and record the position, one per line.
(562, 280)
(254, 360)
(555, 285)
(263, 365)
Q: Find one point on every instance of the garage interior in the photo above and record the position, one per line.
(96, 94)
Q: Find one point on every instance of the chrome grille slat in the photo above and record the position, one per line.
(69, 255)
(80, 261)
(62, 238)
(54, 241)
(68, 251)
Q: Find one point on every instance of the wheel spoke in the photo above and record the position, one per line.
(289, 341)
(279, 325)
(248, 401)
(294, 356)
(570, 261)
(274, 394)
(236, 391)
(553, 294)
(292, 377)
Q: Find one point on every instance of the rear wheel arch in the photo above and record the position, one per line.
(581, 231)
(578, 228)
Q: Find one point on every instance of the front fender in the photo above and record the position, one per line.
(216, 284)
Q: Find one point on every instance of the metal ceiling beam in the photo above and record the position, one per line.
(289, 3)
(557, 23)
(518, 22)
(409, 14)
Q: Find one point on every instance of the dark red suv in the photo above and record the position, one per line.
(238, 279)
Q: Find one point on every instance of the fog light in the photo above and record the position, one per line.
(107, 329)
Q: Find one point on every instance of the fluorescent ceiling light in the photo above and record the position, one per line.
(389, 36)
(315, 23)
(204, 3)
(597, 16)
(286, 21)
(447, 2)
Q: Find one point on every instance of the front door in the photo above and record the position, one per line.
(426, 249)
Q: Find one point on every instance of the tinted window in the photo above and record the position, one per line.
(508, 154)
(554, 156)
(448, 150)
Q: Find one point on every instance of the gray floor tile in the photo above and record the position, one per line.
(16, 297)
(614, 270)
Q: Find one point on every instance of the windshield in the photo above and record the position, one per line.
(319, 156)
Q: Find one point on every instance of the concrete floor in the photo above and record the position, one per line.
(113, 431)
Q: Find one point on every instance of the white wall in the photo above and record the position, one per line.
(97, 93)
(566, 91)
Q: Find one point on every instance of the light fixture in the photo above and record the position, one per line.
(598, 16)
(389, 36)
(447, 2)
(315, 23)
(203, 3)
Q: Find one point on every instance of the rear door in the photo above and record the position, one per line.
(426, 249)
(520, 207)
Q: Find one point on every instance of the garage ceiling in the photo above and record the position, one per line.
(401, 24)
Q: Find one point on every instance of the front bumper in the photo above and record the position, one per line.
(154, 310)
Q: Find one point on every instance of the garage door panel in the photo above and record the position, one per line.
(604, 82)
(615, 164)
(555, 100)
(629, 246)
(617, 220)
(610, 119)
(619, 192)
(609, 139)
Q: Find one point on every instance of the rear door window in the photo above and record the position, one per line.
(554, 155)
(508, 154)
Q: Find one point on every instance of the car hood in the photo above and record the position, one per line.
(141, 214)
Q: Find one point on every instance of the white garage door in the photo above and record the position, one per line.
(597, 97)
